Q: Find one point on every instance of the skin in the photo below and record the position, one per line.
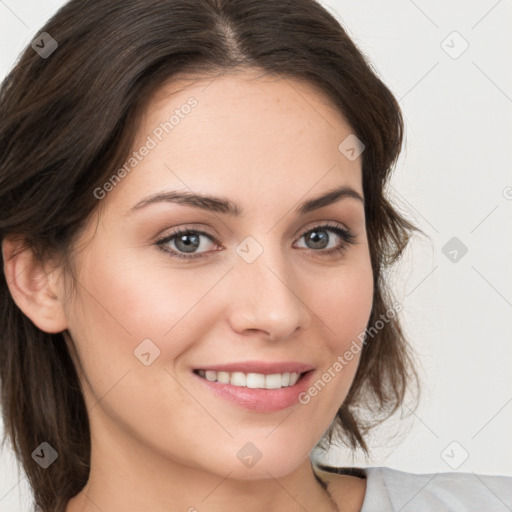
(161, 441)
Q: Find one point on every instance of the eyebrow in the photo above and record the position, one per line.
(223, 205)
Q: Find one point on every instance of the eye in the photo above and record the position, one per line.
(320, 241)
(186, 243)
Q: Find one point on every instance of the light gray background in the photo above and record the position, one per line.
(454, 179)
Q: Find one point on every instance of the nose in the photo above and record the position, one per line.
(265, 296)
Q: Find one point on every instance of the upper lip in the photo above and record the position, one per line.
(264, 367)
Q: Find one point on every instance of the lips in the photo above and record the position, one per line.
(261, 387)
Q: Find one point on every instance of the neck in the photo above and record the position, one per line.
(128, 476)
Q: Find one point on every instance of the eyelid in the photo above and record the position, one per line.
(318, 224)
(185, 228)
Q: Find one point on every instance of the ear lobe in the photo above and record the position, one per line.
(33, 288)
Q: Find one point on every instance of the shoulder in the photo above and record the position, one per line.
(390, 489)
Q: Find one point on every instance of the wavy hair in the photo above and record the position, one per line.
(68, 121)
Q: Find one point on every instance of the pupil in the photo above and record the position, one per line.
(319, 238)
(190, 242)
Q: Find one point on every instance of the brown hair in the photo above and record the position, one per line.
(68, 122)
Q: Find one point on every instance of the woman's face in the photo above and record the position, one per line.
(262, 290)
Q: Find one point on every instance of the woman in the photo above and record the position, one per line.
(194, 234)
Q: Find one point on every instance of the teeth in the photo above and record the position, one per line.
(238, 379)
(223, 377)
(252, 380)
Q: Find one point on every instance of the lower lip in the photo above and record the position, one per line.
(260, 400)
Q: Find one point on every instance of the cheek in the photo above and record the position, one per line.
(344, 309)
(346, 305)
(128, 315)
(133, 327)
(131, 300)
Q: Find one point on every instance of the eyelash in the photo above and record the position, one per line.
(346, 236)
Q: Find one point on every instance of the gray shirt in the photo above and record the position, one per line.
(390, 490)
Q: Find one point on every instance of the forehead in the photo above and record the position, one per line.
(241, 133)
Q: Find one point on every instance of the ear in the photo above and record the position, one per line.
(33, 287)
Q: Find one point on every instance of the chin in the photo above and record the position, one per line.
(265, 458)
(261, 470)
